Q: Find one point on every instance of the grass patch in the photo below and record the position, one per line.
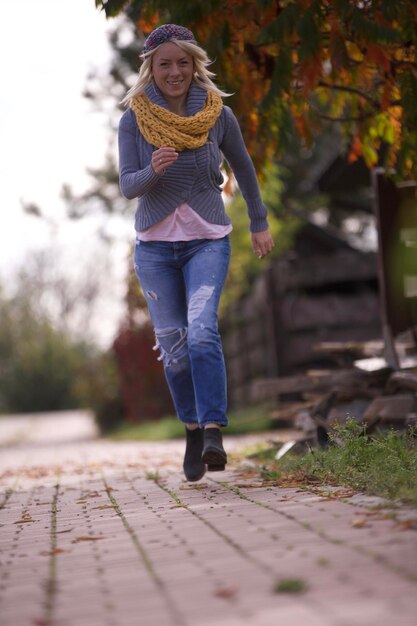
(158, 430)
(384, 464)
(290, 585)
(252, 420)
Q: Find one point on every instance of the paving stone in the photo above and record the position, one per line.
(101, 543)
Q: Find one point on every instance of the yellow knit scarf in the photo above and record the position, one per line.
(161, 127)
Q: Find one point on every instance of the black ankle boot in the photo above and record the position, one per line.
(213, 452)
(194, 468)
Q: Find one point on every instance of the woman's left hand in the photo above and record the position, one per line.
(262, 243)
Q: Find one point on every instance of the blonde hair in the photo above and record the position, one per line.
(202, 75)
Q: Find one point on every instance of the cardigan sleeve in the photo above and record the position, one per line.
(237, 155)
(134, 181)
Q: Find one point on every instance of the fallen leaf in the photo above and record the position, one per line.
(253, 485)
(408, 524)
(226, 592)
(189, 487)
(342, 494)
(359, 522)
(378, 515)
(250, 473)
(289, 484)
(86, 538)
(178, 506)
(105, 506)
(52, 552)
(339, 494)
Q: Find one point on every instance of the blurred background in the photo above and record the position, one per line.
(62, 269)
(324, 99)
(51, 136)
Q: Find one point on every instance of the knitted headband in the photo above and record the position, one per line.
(166, 32)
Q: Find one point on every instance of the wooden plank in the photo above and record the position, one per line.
(344, 266)
(390, 408)
(378, 363)
(300, 346)
(329, 310)
(356, 348)
(402, 380)
(269, 387)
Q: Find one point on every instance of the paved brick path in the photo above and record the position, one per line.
(94, 533)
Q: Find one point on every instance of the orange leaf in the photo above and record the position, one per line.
(147, 24)
(376, 54)
(52, 552)
(309, 73)
(355, 149)
(86, 538)
(338, 52)
(409, 524)
(106, 506)
(226, 592)
(25, 519)
(359, 522)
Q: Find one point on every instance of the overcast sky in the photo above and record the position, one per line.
(49, 133)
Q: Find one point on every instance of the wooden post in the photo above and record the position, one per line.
(275, 348)
(395, 207)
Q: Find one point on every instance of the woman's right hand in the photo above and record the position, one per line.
(162, 158)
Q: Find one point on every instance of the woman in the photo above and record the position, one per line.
(171, 141)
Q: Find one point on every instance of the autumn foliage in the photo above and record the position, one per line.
(297, 66)
(144, 393)
(143, 389)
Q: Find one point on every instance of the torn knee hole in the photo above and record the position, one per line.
(172, 344)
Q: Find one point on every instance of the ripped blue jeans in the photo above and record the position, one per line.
(182, 283)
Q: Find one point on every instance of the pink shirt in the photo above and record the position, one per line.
(183, 224)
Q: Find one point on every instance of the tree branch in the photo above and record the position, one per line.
(353, 90)
(353, 118)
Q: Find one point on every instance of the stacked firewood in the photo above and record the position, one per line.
(361, 385)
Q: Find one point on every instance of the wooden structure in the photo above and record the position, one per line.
(324, 290)
(395, 207)
(330, 332)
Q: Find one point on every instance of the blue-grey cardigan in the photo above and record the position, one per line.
(195, 177)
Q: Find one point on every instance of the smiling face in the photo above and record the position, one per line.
(172, 69)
